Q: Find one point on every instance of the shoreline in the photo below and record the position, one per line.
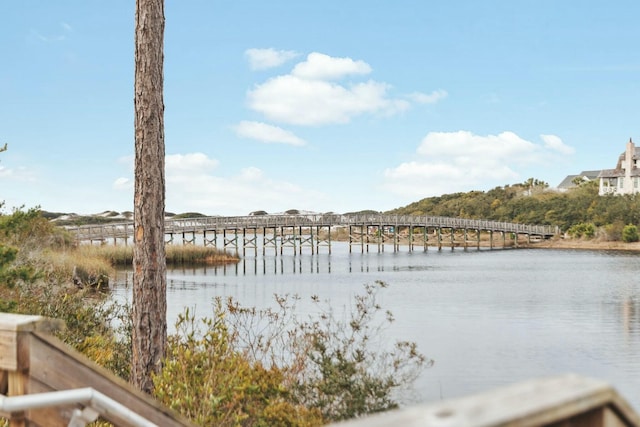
(557, 243)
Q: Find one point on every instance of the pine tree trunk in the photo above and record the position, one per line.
(149, 263)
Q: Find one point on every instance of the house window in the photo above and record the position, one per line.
(635, 182)
(621, 182)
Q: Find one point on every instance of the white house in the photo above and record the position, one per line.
(625, 178)
(571, 180)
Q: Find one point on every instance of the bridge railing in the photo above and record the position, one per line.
(183, 225)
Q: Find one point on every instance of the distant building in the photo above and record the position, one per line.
(571, 180)
(625, 178)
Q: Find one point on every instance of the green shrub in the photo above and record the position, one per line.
(211, 382)
(582, 229)
(630, 234)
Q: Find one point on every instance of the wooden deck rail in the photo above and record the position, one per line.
(34, 363)
(563, 401)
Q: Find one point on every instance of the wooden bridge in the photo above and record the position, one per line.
(281, 232)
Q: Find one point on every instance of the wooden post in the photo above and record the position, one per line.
(15, 355)
(452, 238)
(426, 238)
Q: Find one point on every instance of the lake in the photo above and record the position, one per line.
(487, 318)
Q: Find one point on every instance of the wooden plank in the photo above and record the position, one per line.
(541, 402)
(45, 417)
(8, 350)
(18, 322)
(17, 386)
(11, 325)
(29, 323)
(61, 368)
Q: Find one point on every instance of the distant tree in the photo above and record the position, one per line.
(578, 180)
(630, 234)
(149, 335)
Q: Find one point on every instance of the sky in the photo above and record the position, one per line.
(322, 106)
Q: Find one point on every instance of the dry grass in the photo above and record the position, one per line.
(59, 265)
(176, 255)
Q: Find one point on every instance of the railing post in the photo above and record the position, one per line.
(15, 355)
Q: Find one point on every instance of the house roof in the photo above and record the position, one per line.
(611, 173)
(617, 173)
(585, 175)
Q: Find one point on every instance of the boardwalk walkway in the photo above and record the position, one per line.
(281, 232)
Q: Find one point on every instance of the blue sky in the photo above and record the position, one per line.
(320, 106)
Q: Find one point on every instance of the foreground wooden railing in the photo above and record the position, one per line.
(34, 363)
(563, 401)
(44, 383)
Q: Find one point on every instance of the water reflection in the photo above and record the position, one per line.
(629, 315)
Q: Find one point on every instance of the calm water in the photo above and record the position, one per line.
(487, 318)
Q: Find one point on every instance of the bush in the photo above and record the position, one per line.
(268, 367)
(35, 278)
(349, 370)
(211, 382)
(630, 234)
(614, 231)
(582, 229)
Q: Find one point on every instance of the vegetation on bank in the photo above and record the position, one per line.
(175, 254)
(579, 212)
(243, 366)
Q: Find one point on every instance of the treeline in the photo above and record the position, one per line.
(532, 202)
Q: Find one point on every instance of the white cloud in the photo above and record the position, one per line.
(555, 143)
(428, 98)
(192, 185)
(19, 174)
(267, 133)
(239, 194)
(319, 66)
(462, 161)
(123, 184)
(311, 94)
(59, 36)
(190, 162)
(290, 99)
(261, 59)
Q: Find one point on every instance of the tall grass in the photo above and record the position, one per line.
(176, 255)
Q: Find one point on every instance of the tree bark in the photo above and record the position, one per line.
(149, 335)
